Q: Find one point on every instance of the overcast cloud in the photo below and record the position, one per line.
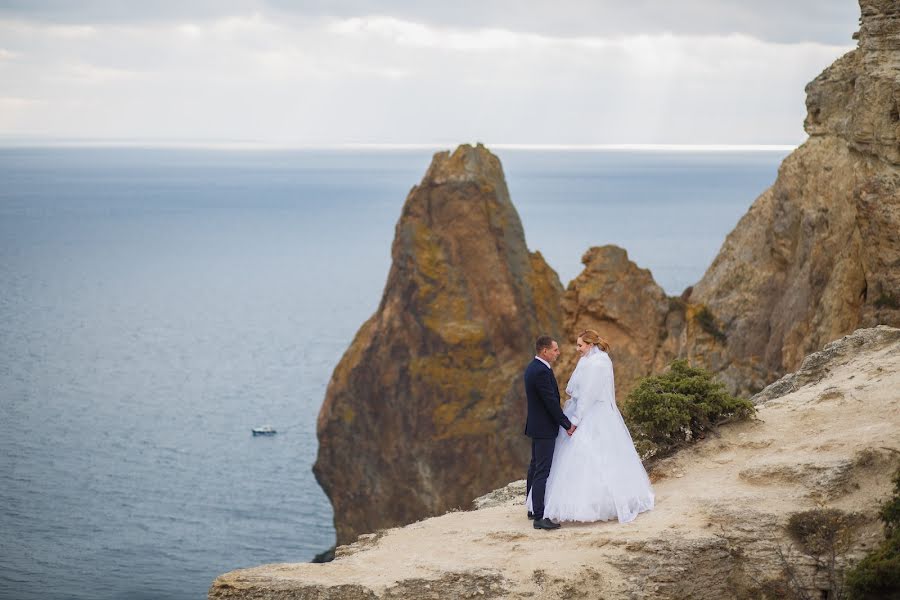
(318, 73)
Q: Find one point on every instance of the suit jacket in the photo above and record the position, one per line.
(545, 417)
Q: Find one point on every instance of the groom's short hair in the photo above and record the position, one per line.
(542, 343)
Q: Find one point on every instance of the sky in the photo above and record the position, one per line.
(349, 72)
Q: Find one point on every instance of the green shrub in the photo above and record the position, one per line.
(666, 411)
(878, 574)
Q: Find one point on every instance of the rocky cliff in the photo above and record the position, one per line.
(622, 301)
(815, 257)
(430, 387)
(818, 254)
(425, 406)
(826, 436)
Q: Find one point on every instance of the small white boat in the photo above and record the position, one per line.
(264, 430)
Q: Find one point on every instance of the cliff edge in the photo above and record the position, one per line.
(827, 436)
(430, 385)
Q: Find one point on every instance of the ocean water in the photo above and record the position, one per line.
(155, 304)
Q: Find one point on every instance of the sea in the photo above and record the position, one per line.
(158, 303)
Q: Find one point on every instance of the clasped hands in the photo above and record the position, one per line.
(571, 430)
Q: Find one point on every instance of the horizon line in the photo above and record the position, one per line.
(13, 142)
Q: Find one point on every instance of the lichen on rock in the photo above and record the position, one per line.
(424, 409)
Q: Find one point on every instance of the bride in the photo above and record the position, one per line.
(596, 474)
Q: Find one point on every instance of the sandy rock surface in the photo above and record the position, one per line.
(829, 436)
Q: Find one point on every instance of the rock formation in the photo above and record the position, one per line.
(425, 407)
(818, 254)
(616, 297)
(828, 435)
(430, 385)
(815, 257)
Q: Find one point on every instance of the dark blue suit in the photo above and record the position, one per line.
(545, 417)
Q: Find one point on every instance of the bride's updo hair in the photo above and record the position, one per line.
(590, 336)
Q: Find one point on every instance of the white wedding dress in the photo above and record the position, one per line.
(596, 474)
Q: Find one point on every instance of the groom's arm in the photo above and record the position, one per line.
(550, 397)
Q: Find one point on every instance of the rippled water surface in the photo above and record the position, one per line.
(157, 304)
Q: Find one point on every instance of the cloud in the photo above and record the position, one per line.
(10, 103)
(12, 110)
(405, 33)
(824, 21)
(92, 74)
(304, 80)
(70, 31)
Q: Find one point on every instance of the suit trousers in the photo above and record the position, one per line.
(538, 471)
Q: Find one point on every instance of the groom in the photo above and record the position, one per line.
(545, 417)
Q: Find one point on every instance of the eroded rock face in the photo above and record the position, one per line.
(818, 254)
(616, 297)
(425, 409)
(722, 505)
(815, 257)
(818, 365)
(858, 97)
(645, 328)
(430, 386)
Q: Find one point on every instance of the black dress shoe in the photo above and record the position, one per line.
(531, 515)
(545, 523)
